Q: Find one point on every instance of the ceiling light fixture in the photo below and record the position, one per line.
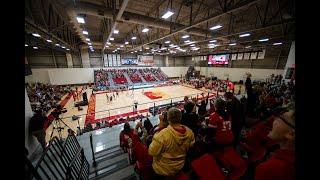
(87, 39)
(126, 42)
(185, 36)
(244, 35)
(35, 47)
(80, 20)
(263, 40)
(26, 45)
(275, 44)
(145, 29)
(212, 41)
(134, 37)
(85, 32)
(111, 39)
(36, 35)
(167, 42)
(116, 31)
(216, 27)
(232, 44)
(167, 14)
(49, 41)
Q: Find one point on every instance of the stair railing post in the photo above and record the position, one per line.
(93, 157)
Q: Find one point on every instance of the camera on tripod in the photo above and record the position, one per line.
(58, 112)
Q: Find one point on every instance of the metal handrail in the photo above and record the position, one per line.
(60, 161)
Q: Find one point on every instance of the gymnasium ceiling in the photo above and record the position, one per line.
(56, 20)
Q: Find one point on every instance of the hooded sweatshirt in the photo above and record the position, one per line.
(281, 165)
(169, 148)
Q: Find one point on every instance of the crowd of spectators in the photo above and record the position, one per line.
(147, 74)
(159, 74)
(45, 96)
(215, 128)
(101, 78)
(134, 76)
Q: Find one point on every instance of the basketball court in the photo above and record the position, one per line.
(101, 109)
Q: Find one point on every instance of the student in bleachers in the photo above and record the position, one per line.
(221, 122)
(235, 110)
(281, 164)
(140, 151)
(189, 118)
(125, 134)
(87, 128)
(170, 145)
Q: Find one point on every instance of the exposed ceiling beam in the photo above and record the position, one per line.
(44, 31)
(93, 9)
(115, 23)
(212, 17)
(158, 4)
(251, 30)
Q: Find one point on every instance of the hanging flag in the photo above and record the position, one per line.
(261, 54)
(240, 56)
(246, 56)
(234, 57)
(253, 55)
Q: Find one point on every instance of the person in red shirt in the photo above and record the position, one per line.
(140, 151)
(281, 164)
(221, 122)
(125, 134)
(231, 86)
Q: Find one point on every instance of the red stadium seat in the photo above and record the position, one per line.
(206, 167)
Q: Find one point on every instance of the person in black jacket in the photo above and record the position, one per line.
(37, 127)
(250, 98)
(189, 118)
(236, 110)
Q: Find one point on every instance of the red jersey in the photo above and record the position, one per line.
(281, 165)
(224, 133)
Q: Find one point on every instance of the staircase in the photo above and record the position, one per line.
(110, 79)
(111, 161)
(140, 75)
(127, 77)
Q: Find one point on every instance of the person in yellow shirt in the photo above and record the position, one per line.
(170, 145)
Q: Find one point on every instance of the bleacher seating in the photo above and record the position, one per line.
(133, 74)
(146, 73)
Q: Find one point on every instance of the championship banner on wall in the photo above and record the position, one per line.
(261, 54)
(240, 55)
(234, 57)
(253, 55)
(145, 60)
(246, 56)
